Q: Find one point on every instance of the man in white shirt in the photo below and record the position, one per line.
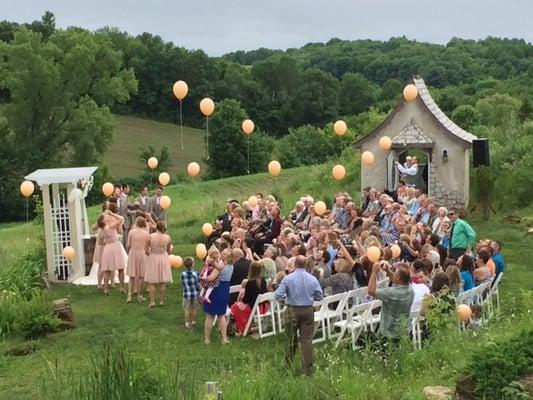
(420, 287)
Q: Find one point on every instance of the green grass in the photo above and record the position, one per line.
(132, 133)
(247, 368)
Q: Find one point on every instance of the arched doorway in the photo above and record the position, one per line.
(422, 179)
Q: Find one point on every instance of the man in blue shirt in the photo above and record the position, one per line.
(300, 289)
(497, 257)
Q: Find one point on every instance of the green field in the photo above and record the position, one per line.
(247, 368)
(132, 133)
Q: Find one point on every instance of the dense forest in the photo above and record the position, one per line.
(61, 86)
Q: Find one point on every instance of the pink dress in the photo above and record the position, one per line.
(113, 251)
(158, 265)
(98, 248)
(137, 239)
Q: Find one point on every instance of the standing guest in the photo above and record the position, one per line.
(144, 201)
(158, 212)
(396, 300)
(158, 271)
(219, 297)
(136, 247)
(466, 264)
(251, 289)
(190, 282)
(497, 257)
(113, 252)
(300, 289)
(462, 236)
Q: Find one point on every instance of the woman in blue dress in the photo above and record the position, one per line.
(219, 298)
(467, 271)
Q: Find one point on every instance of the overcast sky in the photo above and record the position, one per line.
(221, 26)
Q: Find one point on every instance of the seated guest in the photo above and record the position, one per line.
(497, 256)
(241, 267)
(252, 287)
(482, 272)
(466, 265)
(419, 285)
(396, 300)
(340, 282)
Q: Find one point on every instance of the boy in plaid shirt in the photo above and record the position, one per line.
(191, 289)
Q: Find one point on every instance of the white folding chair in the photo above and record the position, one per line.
(326, 316)
(356, 322)
(416, 329)
(258, 318)
(320, 322)
(494, 292)
(355, 296)
(281, 309)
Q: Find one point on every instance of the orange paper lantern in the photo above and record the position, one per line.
(385, 143)
(27, 188)
(320, 208)
(340, 127)
(193, 169)
(180, 90)
(367, 158)
(252, 201)
(207, 106)
(396, 251)
(464, 312)
(248, 126)
(207, 229)
(164, 178)
(152, 163)
(373, 253)
(107, 189)
(410, 92)
(69, 253)
(274, 168)
(338, 172)
(165, 202)
(201, 251)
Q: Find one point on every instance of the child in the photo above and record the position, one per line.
(476, 320)
(445, 241)
(191, 286)
(213, 256)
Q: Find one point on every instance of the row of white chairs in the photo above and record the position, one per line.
(485, 294)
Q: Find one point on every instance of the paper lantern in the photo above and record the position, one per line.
(175, 261)
(385, 143)
(164, 178)
(193, 169)
(396, 251)
(201, 251)
(340, 127)
(68, 253)
(165, 202)
(207, 229)
(464, 312)
(152, 163)
(248, 126)
(410, 92)
(367, 158)
(207, 106)
(107, 189)
(373, 253)
(27, 188)
(274, 168)
(180, 90)
(338, 172)
(252, 201)
(320, 208)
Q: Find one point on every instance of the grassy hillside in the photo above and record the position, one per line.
(132, 133)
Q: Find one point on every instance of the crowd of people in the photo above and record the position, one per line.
(301, 257)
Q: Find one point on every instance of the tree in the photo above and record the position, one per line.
(61, 91)
(357, 94)
(228, 144)
(500, 110)
(466, 116)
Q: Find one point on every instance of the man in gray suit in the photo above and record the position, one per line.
(143, 202)
(158, 213)
(123, 210)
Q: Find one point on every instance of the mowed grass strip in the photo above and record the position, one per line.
(133, 133)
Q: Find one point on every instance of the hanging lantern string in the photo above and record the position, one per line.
(248, 163)
(207, 138)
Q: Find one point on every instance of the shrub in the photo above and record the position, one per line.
(24, 275)
(494, 366)
(8, 314)
(35, 318)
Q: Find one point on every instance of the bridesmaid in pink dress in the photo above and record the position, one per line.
(158, 267)
(136, 246)
(112, 254)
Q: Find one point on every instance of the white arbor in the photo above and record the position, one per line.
(65, 218)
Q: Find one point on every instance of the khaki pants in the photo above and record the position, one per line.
(302, 320)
